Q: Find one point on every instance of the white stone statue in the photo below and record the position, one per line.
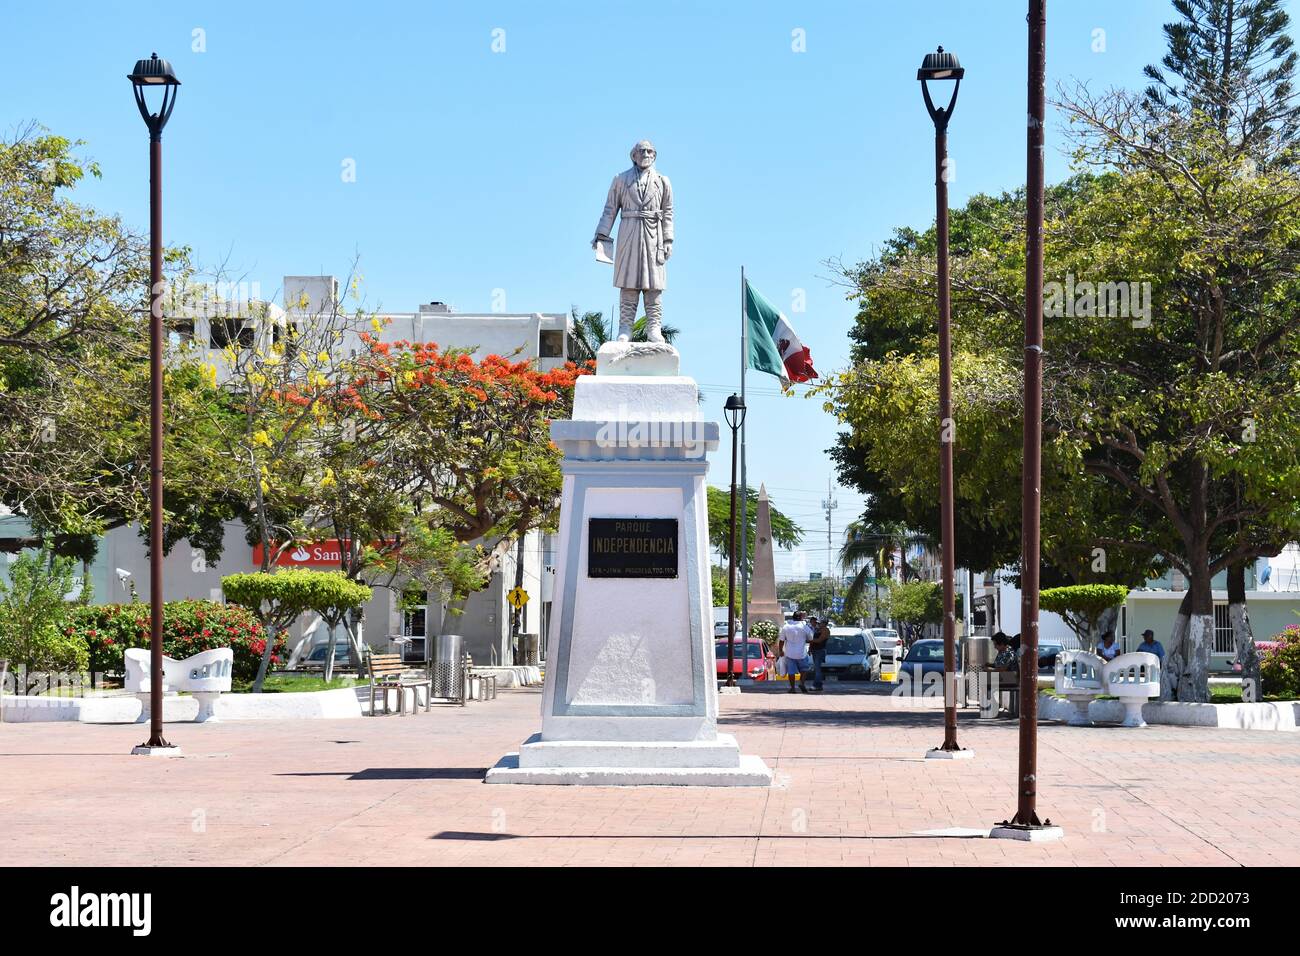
(643, 197)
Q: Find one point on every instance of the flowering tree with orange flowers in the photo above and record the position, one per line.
(471, 436)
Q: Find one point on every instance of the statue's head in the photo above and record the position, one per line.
(643, 154)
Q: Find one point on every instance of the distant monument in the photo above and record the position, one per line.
(631, 694)
(763, 605)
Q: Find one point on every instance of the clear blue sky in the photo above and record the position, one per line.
(478, 170)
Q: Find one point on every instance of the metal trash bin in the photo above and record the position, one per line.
(448, 668)
(976, 656)
(529, 650)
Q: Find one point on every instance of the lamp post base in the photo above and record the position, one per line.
(728, 688)
(167, 750)
(938, 753)
(1028, 833)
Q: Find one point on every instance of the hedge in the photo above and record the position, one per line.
(188, 628)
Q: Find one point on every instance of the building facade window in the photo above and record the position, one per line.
(225, 332)
(1223, 643)
(550, 343)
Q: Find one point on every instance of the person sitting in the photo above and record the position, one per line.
(1108, 649)
(1005, 660)
(1150, 645)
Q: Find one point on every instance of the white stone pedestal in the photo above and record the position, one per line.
(631, 695)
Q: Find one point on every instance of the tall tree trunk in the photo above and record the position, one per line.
(1175, 650)
(329, 653)
(1186, 675)
(266, 658)
(1243, 638)
(352, 626)
(1108, 620)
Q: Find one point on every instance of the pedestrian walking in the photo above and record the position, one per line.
(793, 642)
(821, 635)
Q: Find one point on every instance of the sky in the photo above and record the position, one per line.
(483, 138)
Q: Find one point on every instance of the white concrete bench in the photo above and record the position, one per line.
(206, 676)
(509, 675)
(1079, 680)
(1134, 678)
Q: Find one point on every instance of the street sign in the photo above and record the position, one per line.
(517, 597)
(837, 604)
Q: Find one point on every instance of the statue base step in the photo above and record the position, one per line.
(752, 772)
(637, 358)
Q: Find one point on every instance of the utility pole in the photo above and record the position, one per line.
(830, 504)
(1025, 825)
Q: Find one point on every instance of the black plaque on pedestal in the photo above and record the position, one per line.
(632, 548)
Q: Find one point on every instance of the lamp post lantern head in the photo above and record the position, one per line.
(940, 65)
(734, 409)
(154, 72)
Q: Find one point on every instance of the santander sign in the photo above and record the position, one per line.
(321, 554)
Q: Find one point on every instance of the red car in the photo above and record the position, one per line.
(760, 659)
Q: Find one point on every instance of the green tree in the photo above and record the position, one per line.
(34, 609)
(74, 372)
(1088, 609)
(1232, 61)
(785, 533)
(1166, 436)
(495, 475)
(869, 553)
(279, 598)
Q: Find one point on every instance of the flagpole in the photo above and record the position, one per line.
(744, 482)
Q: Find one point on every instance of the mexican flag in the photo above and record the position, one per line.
(773, 346)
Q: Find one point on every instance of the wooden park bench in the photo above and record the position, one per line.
(387, 672)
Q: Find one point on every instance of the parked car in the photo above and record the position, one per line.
(887, 640)
(315, 658)
(720, 621)
(922, 668)
(760, 659)
(851, 654)
(1047, 651)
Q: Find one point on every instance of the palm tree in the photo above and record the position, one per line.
(869, 547)
(590, 332)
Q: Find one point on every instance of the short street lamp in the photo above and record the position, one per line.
(944, 66)
(148, 74)
(735, 412)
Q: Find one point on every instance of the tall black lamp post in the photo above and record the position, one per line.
(155, 73)
(944, 66)
(735, 412)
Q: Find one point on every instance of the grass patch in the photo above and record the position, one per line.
(295, 684)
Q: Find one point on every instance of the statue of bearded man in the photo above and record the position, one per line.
(643, 198)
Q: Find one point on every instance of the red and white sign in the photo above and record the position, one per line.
(321, 554)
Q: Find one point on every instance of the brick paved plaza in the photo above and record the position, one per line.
(851, 789)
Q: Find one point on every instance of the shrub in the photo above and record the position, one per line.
(188, 628)
(1083, 606)
(765, 631)
(1279, 668)
(33, 612)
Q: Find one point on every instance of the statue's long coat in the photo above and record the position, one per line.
(644, 205)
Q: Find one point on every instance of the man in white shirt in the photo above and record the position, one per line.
(794, 639)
